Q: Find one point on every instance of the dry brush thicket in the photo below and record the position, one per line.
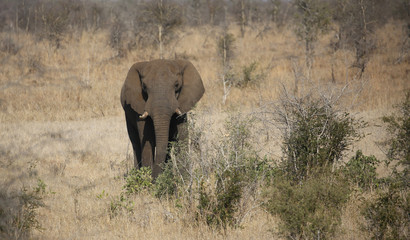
(64, 150)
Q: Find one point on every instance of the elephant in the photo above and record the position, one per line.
(155, 96)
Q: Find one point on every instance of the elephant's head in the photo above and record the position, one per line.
(159, 89)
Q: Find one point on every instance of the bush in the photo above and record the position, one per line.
(399, 128)
(116, 37)
(250, 76)
(357, 22)
(315, 135)
(306, 190)
(219, 208)
(361, 170)
(9, 46)
(166, 183)
(55, 22)
(310, 210)
(138, 180)
(226, 48)
(27, 217)
(18, 214)
(158, 21)
(231, 186)
(388, 215)
(119, 204)
(220, 180)
(313, 18)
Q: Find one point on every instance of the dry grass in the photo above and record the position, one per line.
(61, 121)
(82, 79)
(82, 163)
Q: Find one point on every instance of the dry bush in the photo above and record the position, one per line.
(219, 180)
(8, 46)
(116, 37)
(156, 23)
(19, 211)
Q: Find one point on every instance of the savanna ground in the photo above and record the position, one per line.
(63, 131)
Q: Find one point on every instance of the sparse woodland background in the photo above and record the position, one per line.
(303, 132)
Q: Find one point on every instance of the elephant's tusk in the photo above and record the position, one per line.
(144, 115)
(178, 111)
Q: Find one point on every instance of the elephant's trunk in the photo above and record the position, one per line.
(161, 125)
(161, 108)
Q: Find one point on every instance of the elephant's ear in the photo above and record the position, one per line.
(131, 92)
(192, 86)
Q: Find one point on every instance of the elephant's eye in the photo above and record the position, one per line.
(144, 87)
(176, 86)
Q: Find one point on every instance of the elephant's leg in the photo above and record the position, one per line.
(135, 141)
(147, 136)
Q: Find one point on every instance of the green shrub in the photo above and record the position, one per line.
(214, 178)
(119, 204)
(250, 76)
(177, 176)
(235, 177)
(18, 214)
(388, 215)
(310, 210)
(219, 208)
(138, 180)
(306, 190)
(361, 170)
(315, 136)
(30, 200)
(166, 183)
(218, 200)
(399, 128)
(248, 72)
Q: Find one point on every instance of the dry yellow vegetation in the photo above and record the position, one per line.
(61, 121)
(81, 80)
